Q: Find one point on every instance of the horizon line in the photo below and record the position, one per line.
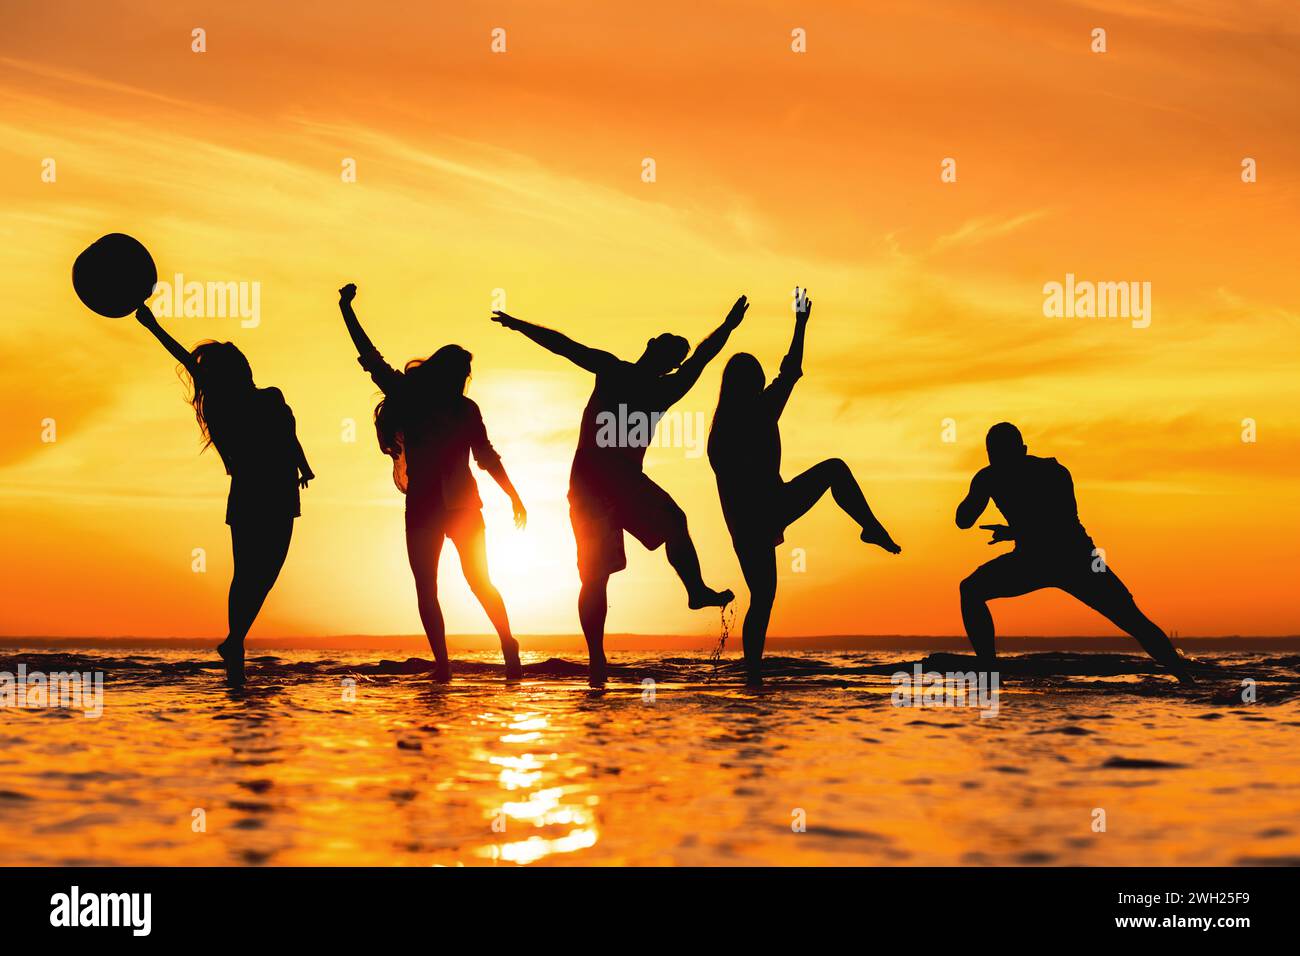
(653, 641)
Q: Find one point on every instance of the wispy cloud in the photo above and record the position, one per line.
(985, 229)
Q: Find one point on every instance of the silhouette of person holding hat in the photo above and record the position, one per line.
(254, 432)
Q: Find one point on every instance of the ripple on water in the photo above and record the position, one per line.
(1068, 730)
(545, 772)
(1140, 763)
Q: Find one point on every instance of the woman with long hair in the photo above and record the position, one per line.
(254, 432)
(745, 453)
(430, 428)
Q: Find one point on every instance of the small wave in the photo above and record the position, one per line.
(1133, 763)
(1221, 677)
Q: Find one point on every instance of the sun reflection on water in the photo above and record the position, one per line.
(561, 816)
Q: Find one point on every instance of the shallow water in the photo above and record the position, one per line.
(292, 771)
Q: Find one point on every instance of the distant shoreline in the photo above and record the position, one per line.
(415, 644)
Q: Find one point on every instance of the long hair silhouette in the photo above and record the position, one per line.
(428, 426)
(745, 453)
(739, 395)
(430, 385)
(222, 375)
(254, 432)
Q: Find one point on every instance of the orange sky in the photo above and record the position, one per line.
(521, 171)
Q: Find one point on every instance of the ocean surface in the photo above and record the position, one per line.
(344, 759)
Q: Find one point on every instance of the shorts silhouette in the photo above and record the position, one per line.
(603, 505)
(1024, 570)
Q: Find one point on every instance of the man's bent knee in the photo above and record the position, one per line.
(675, 527)
(970, 589)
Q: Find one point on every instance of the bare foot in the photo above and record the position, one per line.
(710, 598)
(442, 672)
(510, 651)
(233, 657)
(878, 536)
(596, 674)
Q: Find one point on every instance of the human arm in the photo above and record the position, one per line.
(583, 356)
(146, 318)
(385, 376)
(305, 474)
(976, 500)
(1001, 532)
(490, 461)
(778, 393)
(678, 383)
